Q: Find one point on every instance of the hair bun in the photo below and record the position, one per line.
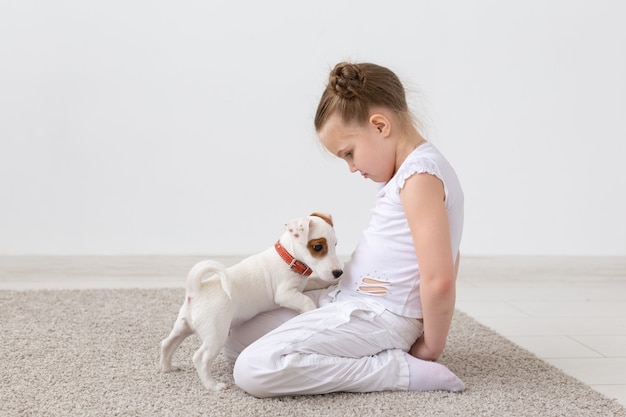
(346, 80)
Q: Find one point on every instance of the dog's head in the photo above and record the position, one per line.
(314, 244)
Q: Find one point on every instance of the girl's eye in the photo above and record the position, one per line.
(347, 154)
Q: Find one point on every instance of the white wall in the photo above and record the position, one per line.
(162, 127)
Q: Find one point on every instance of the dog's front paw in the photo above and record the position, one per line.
(308, 307)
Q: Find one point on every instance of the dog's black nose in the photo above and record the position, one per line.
(337, 273)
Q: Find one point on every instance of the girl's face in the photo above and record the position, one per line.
(365, 148)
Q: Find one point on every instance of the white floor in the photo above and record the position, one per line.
(569, 311)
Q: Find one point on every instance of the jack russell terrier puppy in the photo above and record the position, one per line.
(259, 283)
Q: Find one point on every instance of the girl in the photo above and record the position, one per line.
(386, 323)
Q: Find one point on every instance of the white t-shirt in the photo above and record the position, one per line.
(383, 267)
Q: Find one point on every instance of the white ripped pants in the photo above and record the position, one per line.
(344, 345)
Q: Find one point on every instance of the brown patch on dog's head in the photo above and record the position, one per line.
(318, 247)
(326, 217)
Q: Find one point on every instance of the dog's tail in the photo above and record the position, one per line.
(199, 270)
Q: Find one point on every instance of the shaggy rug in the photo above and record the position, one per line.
(95, 353)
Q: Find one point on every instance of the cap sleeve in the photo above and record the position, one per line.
(419, 166)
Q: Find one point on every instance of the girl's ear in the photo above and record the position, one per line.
(380, 123)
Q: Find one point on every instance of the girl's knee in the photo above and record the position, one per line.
(252, 374)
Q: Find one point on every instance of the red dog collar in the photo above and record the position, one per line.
(300, 267)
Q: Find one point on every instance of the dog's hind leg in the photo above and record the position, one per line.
(180, 332)
(213, 334)
(203, 358)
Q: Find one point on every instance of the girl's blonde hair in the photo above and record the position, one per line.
(353, 89)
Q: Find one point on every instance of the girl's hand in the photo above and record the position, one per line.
(421, 351)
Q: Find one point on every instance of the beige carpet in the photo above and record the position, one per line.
(95, 353)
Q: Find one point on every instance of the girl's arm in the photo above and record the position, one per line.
(423, 201)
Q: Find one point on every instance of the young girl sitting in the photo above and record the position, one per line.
(385, 324)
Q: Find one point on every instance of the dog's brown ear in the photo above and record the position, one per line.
(327, 217)
(299, 229)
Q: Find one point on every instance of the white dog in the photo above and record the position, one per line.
(259, 283)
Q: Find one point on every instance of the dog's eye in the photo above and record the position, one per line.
(318, 248)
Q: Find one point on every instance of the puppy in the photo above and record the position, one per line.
(259, 283)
